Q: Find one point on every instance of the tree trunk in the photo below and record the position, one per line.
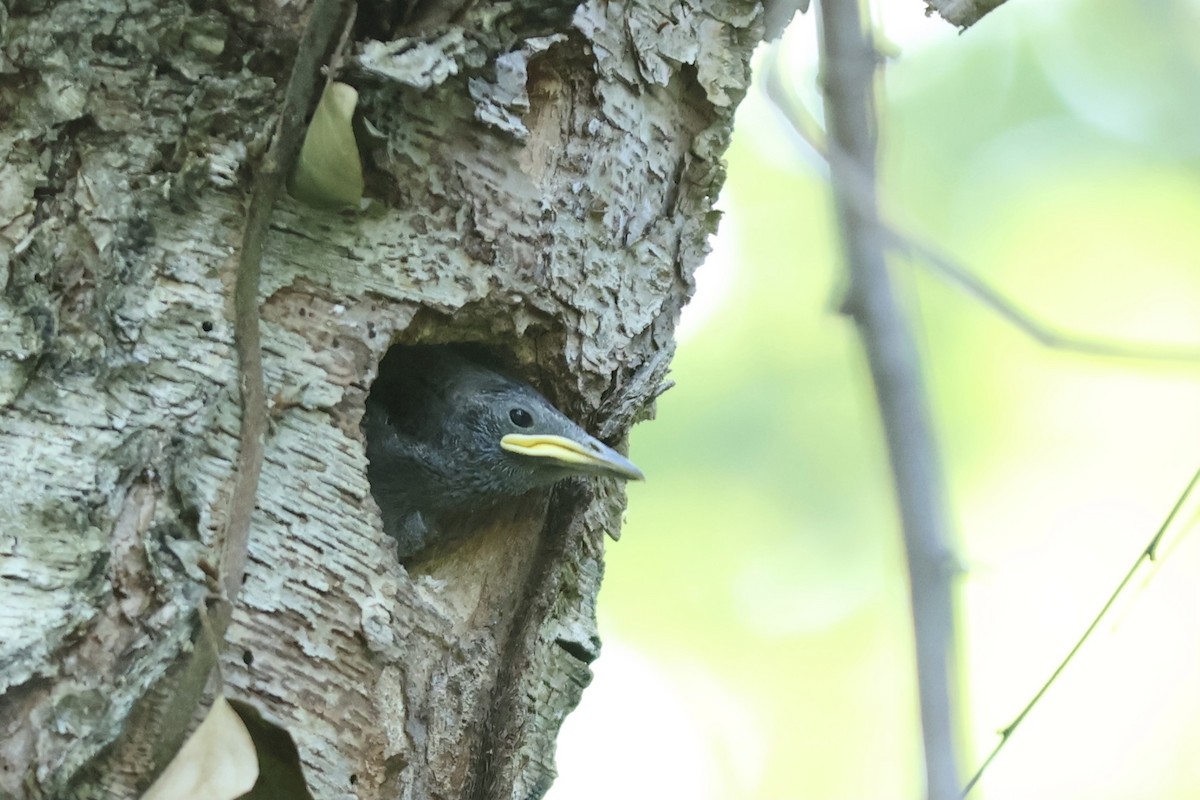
(541, 179)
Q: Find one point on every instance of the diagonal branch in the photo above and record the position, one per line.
(848, 61)
(953, 272)
(959, 276)
(1149, 553)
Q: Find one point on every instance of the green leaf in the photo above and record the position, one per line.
(328, 174)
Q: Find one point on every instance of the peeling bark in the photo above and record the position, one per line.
(962, 13)
(542, 179)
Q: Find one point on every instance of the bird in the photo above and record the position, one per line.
(446, 435)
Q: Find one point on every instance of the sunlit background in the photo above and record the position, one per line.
(757, 638)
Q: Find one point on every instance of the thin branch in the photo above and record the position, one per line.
(324, 22)
(945, 267)
(848, 61)
(959, 276)
(806, 126)
(1149, 552)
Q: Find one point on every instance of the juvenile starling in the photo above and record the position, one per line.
(447, 436)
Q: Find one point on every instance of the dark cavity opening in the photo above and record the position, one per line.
(450, 434)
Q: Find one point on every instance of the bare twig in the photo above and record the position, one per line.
(1149, 552)
(959, 276)
(324, 22)
(947, 268)
(848, 61)
(806, 126)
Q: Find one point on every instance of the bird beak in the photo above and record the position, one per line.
(589, 455)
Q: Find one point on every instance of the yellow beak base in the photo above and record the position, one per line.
(592, 457)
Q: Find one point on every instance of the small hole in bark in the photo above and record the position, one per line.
(353, 779)
(335, 342)
(247, 658)
(577, 650)
(37, 277)
(206, 326)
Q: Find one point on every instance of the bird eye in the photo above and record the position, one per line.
(520, 417)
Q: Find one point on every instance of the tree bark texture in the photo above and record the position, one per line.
(541, 179)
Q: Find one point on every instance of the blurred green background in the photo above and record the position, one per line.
(757, 639)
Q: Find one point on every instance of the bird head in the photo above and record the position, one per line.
(525, 441)
(446, 435)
